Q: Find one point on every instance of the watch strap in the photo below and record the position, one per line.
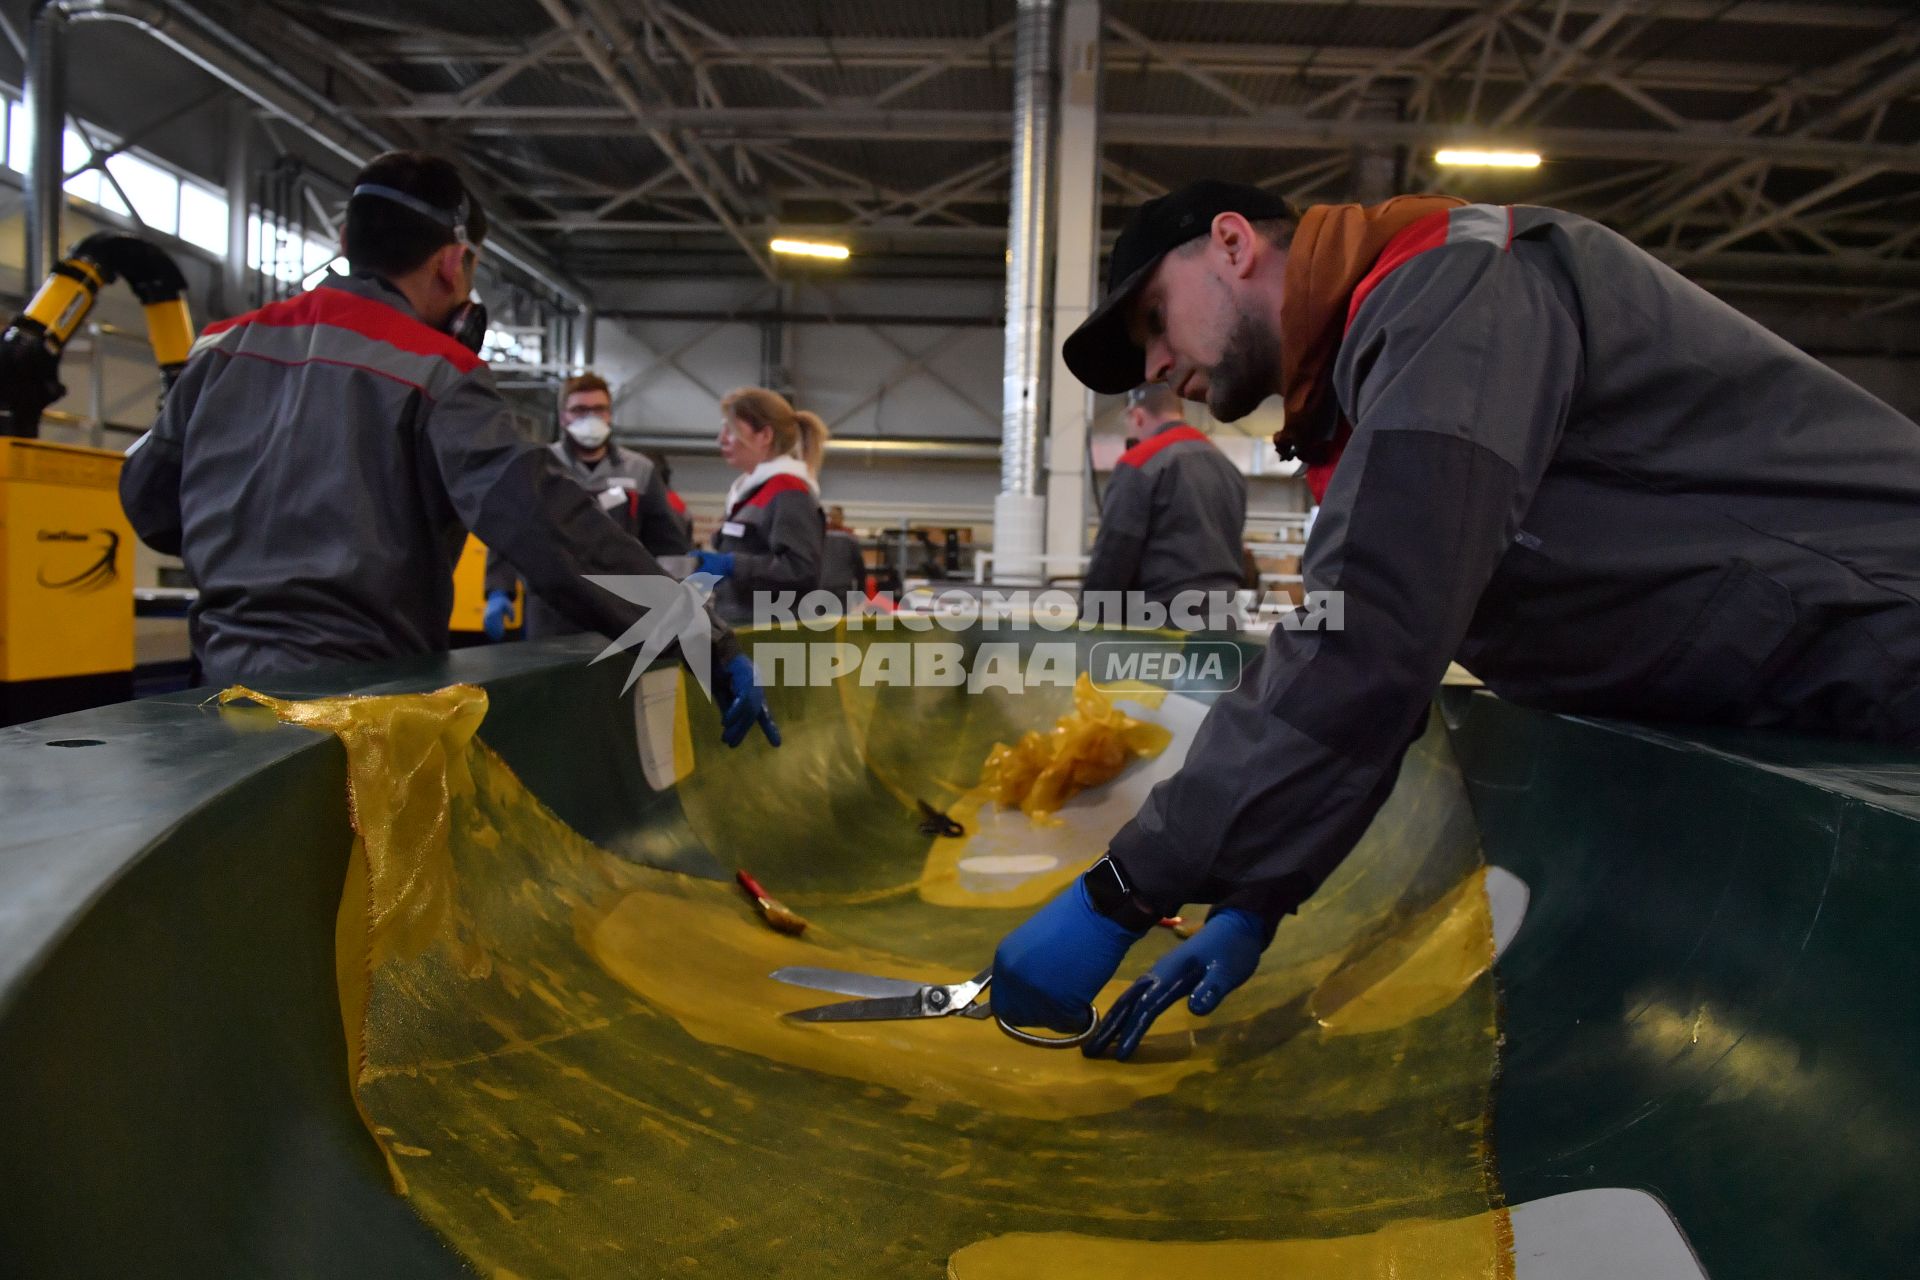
(1113, 897)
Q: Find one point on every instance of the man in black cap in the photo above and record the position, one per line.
(1541, 452)
(1171, 516)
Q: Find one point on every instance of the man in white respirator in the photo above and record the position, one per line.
(624, 482)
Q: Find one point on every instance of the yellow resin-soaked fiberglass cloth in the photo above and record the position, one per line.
(1479, 1246)
(1087, 747)
(576, 1065)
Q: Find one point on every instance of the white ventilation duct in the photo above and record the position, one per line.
(1019, 513)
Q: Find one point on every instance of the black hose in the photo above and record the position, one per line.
(149, 272)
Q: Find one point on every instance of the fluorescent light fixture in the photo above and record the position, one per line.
(1488, 159)
(809, 249)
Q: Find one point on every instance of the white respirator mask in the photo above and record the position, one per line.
(591, 431)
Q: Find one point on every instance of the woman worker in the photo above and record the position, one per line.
(773, 532)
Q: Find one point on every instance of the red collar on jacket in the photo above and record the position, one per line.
(771, 488)
(367, 316)
(1429, 232)
(1138, 455)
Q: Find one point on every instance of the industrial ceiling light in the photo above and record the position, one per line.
(809, 249)
(1487, 158)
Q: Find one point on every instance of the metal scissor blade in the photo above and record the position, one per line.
(846, 982)
(881, 1010)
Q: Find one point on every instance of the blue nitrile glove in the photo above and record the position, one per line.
(742, 703)
(1048, 971)
(717, 563)
(1208, 965)
(499, 609)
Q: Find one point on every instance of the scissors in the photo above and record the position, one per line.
(935, 823)
(885, 999)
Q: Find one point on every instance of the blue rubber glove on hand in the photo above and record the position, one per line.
(742, 703)
(499, 609)
(1204, 968)
(717, 563)
(1047, 972)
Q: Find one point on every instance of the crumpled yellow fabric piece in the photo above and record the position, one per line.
(579, 1061)
(406, 761)
(1089, 746)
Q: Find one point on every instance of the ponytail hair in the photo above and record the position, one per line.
(812, 446)
(795, 433)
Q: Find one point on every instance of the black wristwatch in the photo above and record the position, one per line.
(1115, 899)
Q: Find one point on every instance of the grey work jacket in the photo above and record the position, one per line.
(626, 485)
(1171, 519)
(317, 466)
(777, 535)
(1599, 487)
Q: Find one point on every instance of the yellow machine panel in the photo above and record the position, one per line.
(470, 589)
(66, 562)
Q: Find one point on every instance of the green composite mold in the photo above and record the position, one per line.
(1714, 994)
(1706, 1000)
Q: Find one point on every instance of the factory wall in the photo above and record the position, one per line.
(907, 359)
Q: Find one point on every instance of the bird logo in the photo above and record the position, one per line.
(102, 571)
(675, 612)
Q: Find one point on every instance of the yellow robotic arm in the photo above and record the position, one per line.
(30, 347)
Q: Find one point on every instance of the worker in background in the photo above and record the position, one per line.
(623, 482)
(1539, 451)
(317, 460)
(1173, 510)
(843, 567)
(772, 537)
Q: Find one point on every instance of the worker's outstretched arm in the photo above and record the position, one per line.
(517, 499)
(1126, 509)
(150, 477)
(1457, 375)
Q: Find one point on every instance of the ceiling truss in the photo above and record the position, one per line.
(649, 124)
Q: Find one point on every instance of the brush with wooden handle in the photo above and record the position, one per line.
(778, 918)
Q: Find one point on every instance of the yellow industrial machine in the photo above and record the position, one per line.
(66, 580)
(470, 596)
(66, 549)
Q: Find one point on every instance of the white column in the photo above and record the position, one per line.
(1075, 280)
(234, 280)
(1020, 510)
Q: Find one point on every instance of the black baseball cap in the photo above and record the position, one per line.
(1099, 352)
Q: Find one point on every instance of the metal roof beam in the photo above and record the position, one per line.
(923, 57)
(1752, 12)
(1601, 71)
(639, 113)
(1167, 57)
(1269, 131)
(1566, 57)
